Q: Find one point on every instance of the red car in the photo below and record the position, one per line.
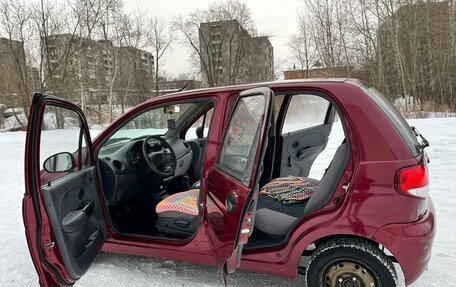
(223, 177)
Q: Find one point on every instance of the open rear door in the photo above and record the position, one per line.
(232, 183)
(61, 208)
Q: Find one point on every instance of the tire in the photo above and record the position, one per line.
(350, 262)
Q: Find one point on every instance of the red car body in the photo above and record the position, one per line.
(366, 203)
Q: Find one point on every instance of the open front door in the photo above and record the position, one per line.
(232, 183)
(62, 214)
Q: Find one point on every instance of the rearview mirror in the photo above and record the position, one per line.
(60, 162)
(171, 109)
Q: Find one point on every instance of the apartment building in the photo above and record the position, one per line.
(88, 71)
(13, 72)
(230, 55)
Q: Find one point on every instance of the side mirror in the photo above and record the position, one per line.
(60, 162)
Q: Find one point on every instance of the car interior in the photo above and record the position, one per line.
(150, 169)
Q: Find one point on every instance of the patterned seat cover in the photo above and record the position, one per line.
(289, 190)
(183, 202)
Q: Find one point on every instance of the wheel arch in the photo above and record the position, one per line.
(327, 238)
(307, 250)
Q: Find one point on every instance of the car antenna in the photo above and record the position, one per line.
(188, 83)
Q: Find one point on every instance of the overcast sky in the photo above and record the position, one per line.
(272, 17)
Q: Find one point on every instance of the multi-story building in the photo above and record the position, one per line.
(13, 71)
(88, 71)
(230, 55)
(136, 68)
(262, 66)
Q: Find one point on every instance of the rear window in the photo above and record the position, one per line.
(396, 118)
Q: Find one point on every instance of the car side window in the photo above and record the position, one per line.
(241, 137)
(305, 111)
(63, 144)
(205, 119)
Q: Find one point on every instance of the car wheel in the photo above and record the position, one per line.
(350, 262)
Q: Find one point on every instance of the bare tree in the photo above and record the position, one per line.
(329, 31)
(15, 23)
(160, 37)
(397, 45)
(207, 55)
(132, 82)
(302, 44)
(233, 9)
(85, 50)
(111, 31)
(51, 19)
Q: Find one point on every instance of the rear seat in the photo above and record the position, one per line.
(276, 218)
(295, 209)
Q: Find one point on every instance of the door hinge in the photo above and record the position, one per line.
(49, 245)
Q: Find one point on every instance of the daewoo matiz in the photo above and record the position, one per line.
(223, 177)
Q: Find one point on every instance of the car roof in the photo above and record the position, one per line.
(274, 84)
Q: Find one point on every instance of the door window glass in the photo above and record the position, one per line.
(62, 143)
(241, 139)
(191, 132)
(305, 111)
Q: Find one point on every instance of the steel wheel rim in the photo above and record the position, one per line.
(347, 272)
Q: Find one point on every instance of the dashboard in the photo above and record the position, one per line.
(122, 165)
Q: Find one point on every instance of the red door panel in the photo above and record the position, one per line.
(232, 183)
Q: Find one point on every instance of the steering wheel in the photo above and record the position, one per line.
(159, 156)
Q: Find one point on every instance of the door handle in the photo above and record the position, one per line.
(86, 206)
(231, 203)
(74, 220)
(77, 218)
(308, 151)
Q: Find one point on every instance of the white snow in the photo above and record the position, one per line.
(122, 270)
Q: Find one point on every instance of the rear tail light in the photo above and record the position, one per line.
(413, 181)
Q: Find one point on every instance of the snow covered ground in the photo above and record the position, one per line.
(16, 268)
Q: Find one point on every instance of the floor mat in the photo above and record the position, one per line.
(130, 217)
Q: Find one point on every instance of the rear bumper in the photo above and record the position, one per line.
(410, 243)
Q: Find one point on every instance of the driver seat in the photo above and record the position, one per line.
(178, 213)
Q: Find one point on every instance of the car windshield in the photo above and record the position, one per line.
(152, 122)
